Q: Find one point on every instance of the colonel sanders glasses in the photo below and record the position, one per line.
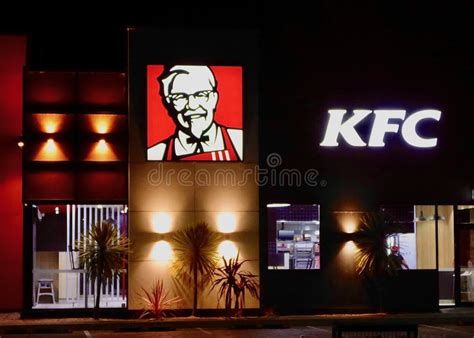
(180, 100)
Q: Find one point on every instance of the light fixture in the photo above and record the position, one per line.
(102, 146)
(227, 249)
(56, 210)
(421, 217)
(278, 205)
(162, 251)
(226, 222)
(161, 222)
(50, 146)
(20, 143)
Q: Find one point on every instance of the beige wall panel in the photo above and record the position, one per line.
(446, 237)
(231, 187)
(158, 186)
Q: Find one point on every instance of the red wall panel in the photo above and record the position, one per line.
(102, 184)
(12, 59)
(53, 184)
(103, 89)
(50, 88)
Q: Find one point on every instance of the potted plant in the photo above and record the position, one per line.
(157, 301)
(233, 284)
(195, 258)
(372, 258)
(102, 253)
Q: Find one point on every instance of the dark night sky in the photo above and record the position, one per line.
(92, 36)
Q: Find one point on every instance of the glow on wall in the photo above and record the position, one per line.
(194, 113)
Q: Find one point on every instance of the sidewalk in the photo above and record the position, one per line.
(11, 322)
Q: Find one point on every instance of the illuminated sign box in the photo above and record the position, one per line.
(194, 113)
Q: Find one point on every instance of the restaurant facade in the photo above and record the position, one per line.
(280, 149)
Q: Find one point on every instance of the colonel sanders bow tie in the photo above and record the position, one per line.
(198, 140)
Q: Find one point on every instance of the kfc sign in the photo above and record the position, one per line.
(384, 121)
(194, 113)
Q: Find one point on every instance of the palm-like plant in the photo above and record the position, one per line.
(371, 257)
(234, 283)
(195, 258)
(157, 301)
(103, 253)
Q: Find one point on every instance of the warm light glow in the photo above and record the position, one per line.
(101, 123)
(161, 223)
(102, 146)
(278, 205)
(227, 249)
(349, 227)
(101, 151)
(349, 221)
(226, 222)
(56, 210)
(50, 151)
(349, 247)
(50, 146)
(21, 144)
(50, 123)
(162, 252)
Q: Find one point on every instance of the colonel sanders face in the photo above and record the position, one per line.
(191, 98)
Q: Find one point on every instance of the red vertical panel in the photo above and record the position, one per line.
(12, 59)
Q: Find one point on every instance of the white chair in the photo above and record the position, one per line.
(45, 288)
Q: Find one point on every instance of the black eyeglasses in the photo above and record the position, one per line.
(181, 99)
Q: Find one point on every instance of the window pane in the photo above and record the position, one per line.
(58, 279)
(293, 236)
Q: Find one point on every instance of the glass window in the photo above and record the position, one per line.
(58, 279)
(416, 241)
(293, 236)
(465, 215)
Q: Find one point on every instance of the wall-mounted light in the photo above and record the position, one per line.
(102, 146)
(50, 146)
(101, 151)
(101, 123)
(161, 222)
(20, 142)
(278, 205)
(56, 210)
(226, 222)
(162, 251)
(227, 249)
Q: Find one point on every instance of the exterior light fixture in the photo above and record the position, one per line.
(102, 146)
(226, 222)
(56, 210)
(278, 205)
(50, 146)
(20, 142)
(161, 223)
(162, 251)
(227, 249)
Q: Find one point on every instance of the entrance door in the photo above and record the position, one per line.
(465, 254)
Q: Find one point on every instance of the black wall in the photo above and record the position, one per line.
(395, 56)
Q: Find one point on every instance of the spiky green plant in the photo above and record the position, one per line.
(195, 257)
(233, 284)
(157, 301)
(103, 253)
(371, 256)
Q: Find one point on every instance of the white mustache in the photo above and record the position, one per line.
(198, 111)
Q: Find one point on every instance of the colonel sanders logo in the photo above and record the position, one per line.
(191, 97)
